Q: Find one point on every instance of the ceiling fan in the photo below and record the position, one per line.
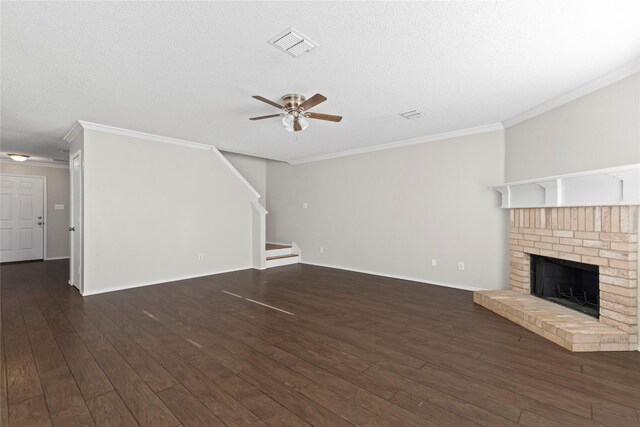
(295, 114)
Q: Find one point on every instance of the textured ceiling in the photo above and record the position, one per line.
(188, 70)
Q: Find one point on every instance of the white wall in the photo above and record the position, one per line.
(150, 208)
(254, 170)
(57, 194)
(392, 211)
(598, 130)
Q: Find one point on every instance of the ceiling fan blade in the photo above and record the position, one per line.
(312, 102)
(263, 99)
(296, 125)
(264, 117)
(321, 116)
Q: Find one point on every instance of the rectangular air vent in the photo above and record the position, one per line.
(412, 114)
(293, 42)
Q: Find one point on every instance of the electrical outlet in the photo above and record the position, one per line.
(58, 207)
(434, 262)
(321, 250)
(461, 266)
(305, 205)
(200, 257)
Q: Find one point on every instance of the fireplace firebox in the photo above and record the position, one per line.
(572, 284)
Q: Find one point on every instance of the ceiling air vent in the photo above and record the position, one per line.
(412, 114)
(293, 42)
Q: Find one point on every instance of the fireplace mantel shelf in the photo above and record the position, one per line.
(610, 187)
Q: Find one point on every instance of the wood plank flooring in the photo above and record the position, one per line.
(356, 350)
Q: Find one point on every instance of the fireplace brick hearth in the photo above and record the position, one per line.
(606, 236)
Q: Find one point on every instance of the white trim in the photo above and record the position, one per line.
(164, 281)
(603, 171)
(279, 262)
(258, 207)
(158, 138)
(56, 257)
(403, 143)
(278, 252)
(73, 132)
(395, 276)
(142, 135)
(575, 189)
(35, 163)
(235, 171)
(580, 91)
(72, 222)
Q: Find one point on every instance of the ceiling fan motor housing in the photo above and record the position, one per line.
(293, 100)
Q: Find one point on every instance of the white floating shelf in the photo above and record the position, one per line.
(602, 187)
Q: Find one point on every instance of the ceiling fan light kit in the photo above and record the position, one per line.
(289, 122)
(295, 108)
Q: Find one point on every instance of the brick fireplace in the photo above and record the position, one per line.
(602, 236)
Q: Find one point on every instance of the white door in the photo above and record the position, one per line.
(21, 218)
(75, 276)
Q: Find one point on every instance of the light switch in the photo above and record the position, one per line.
(58, 207)
(305, 205)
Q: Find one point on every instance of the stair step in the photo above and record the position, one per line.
(281, 256)
(273, 246)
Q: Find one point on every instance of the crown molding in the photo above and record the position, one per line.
(403, 143)
(35, 163)
(616, 75)
(81, 124)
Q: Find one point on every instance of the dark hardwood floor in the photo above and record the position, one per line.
(348, 349)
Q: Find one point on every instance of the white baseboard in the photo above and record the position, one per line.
(56, 257)
(174, 279)
(395, 276)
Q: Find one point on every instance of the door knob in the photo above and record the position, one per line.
(40, 223)
(39, 217)
(72, 229)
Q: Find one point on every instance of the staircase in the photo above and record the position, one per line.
(278, 255)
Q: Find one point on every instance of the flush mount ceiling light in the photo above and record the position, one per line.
(18, 157)
(295, 114)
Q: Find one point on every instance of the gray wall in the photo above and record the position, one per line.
(57, 193)
(390, 212)
(148, 214)
(598, 130)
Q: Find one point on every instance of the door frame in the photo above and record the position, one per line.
(44, 206)
(79, 286)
